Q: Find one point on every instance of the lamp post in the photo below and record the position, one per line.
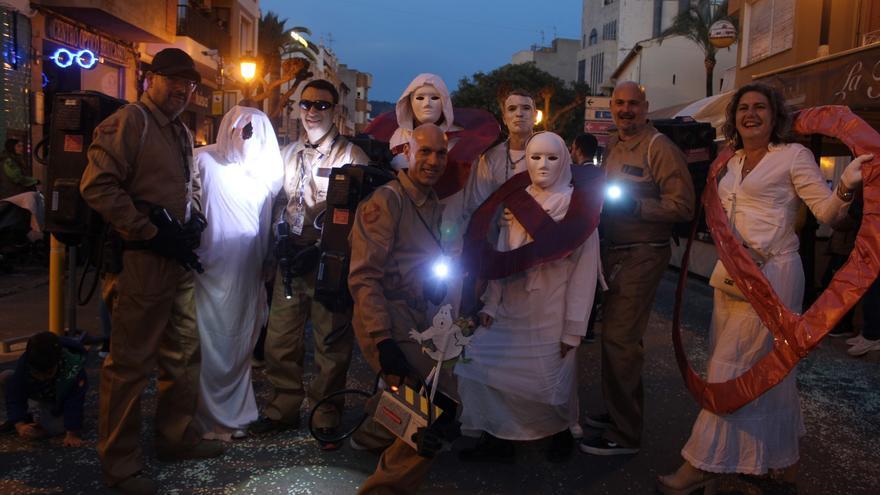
(248, 68)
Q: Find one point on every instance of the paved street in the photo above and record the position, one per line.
(840, 397)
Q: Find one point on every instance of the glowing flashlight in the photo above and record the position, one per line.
(441, 268)
(613, 192)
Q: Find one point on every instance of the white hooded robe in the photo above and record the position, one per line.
(240, 179)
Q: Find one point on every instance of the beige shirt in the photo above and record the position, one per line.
(307, 176)
(493, 169)
(392, 251)
(659, 181)
(138, 155)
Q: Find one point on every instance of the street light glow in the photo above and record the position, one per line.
(299, 39)
(539, 117)
(248, 68)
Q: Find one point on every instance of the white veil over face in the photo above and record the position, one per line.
(553, 196)
(258, 154)
(241, 174)
(404, 110)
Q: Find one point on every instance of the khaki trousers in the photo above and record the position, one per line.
(633, 276)
(153, 324)
(285, 353)
(401, 470)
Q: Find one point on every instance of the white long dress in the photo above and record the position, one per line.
(514, 384)
(763, 434)
(239, 183)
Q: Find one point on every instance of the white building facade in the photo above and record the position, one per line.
(673, 72)
(558, 59)
(610, 29)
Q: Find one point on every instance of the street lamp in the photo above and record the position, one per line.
(248, 67)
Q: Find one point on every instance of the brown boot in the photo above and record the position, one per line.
(203, 450)
(137, 485)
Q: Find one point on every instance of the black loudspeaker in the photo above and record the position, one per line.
(74, 118)
(697, 141)
(349, 185)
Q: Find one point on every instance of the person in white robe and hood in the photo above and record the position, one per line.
(241, 174)
(519, 381)
(426, 100)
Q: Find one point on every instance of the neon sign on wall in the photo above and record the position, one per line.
(64, 58)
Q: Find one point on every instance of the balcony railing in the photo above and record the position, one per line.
(203, 28)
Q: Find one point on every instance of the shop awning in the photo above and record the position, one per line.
(850, 78)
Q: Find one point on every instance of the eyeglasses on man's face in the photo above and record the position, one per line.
(189, 84)
(319, 105)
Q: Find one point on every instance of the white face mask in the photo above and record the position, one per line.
(427, 105)
(544, 161)
(519, 114)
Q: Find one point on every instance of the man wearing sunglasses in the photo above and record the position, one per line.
(141, 159)
(307, 166)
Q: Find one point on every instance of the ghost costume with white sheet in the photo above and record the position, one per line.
(515, 384)
(240, 178)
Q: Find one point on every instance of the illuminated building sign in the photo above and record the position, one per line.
(64, 58)
(80, 39)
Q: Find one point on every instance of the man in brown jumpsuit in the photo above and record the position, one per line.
(654, 190)
(141, 157)
(308, 163)
(394, 242)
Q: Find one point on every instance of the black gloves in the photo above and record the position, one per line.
(305, 260)
(391, 359)
(191, 235)
(428, 440)
(174, 240)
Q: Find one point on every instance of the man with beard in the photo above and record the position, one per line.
(307, 166)
(652, 190)
(139, 163)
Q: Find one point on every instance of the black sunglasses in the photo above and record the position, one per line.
(319, 105)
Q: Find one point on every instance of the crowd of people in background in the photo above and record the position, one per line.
(199, 232)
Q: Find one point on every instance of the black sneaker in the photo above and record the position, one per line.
(560, 447)
(601, 421)
(490, 449)
(264, 426)
(599, 445)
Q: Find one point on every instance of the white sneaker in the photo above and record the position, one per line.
(863, 347)
(576, 431)
(854, 340)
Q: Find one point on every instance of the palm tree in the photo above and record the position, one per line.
(273, 37)
(694, 24)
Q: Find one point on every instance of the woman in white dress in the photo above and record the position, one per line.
(519, 381)
(765, 183)
(241, 174)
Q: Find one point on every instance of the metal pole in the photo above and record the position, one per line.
(71, 291)
(56, 290)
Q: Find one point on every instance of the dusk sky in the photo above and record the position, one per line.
(395, 40)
